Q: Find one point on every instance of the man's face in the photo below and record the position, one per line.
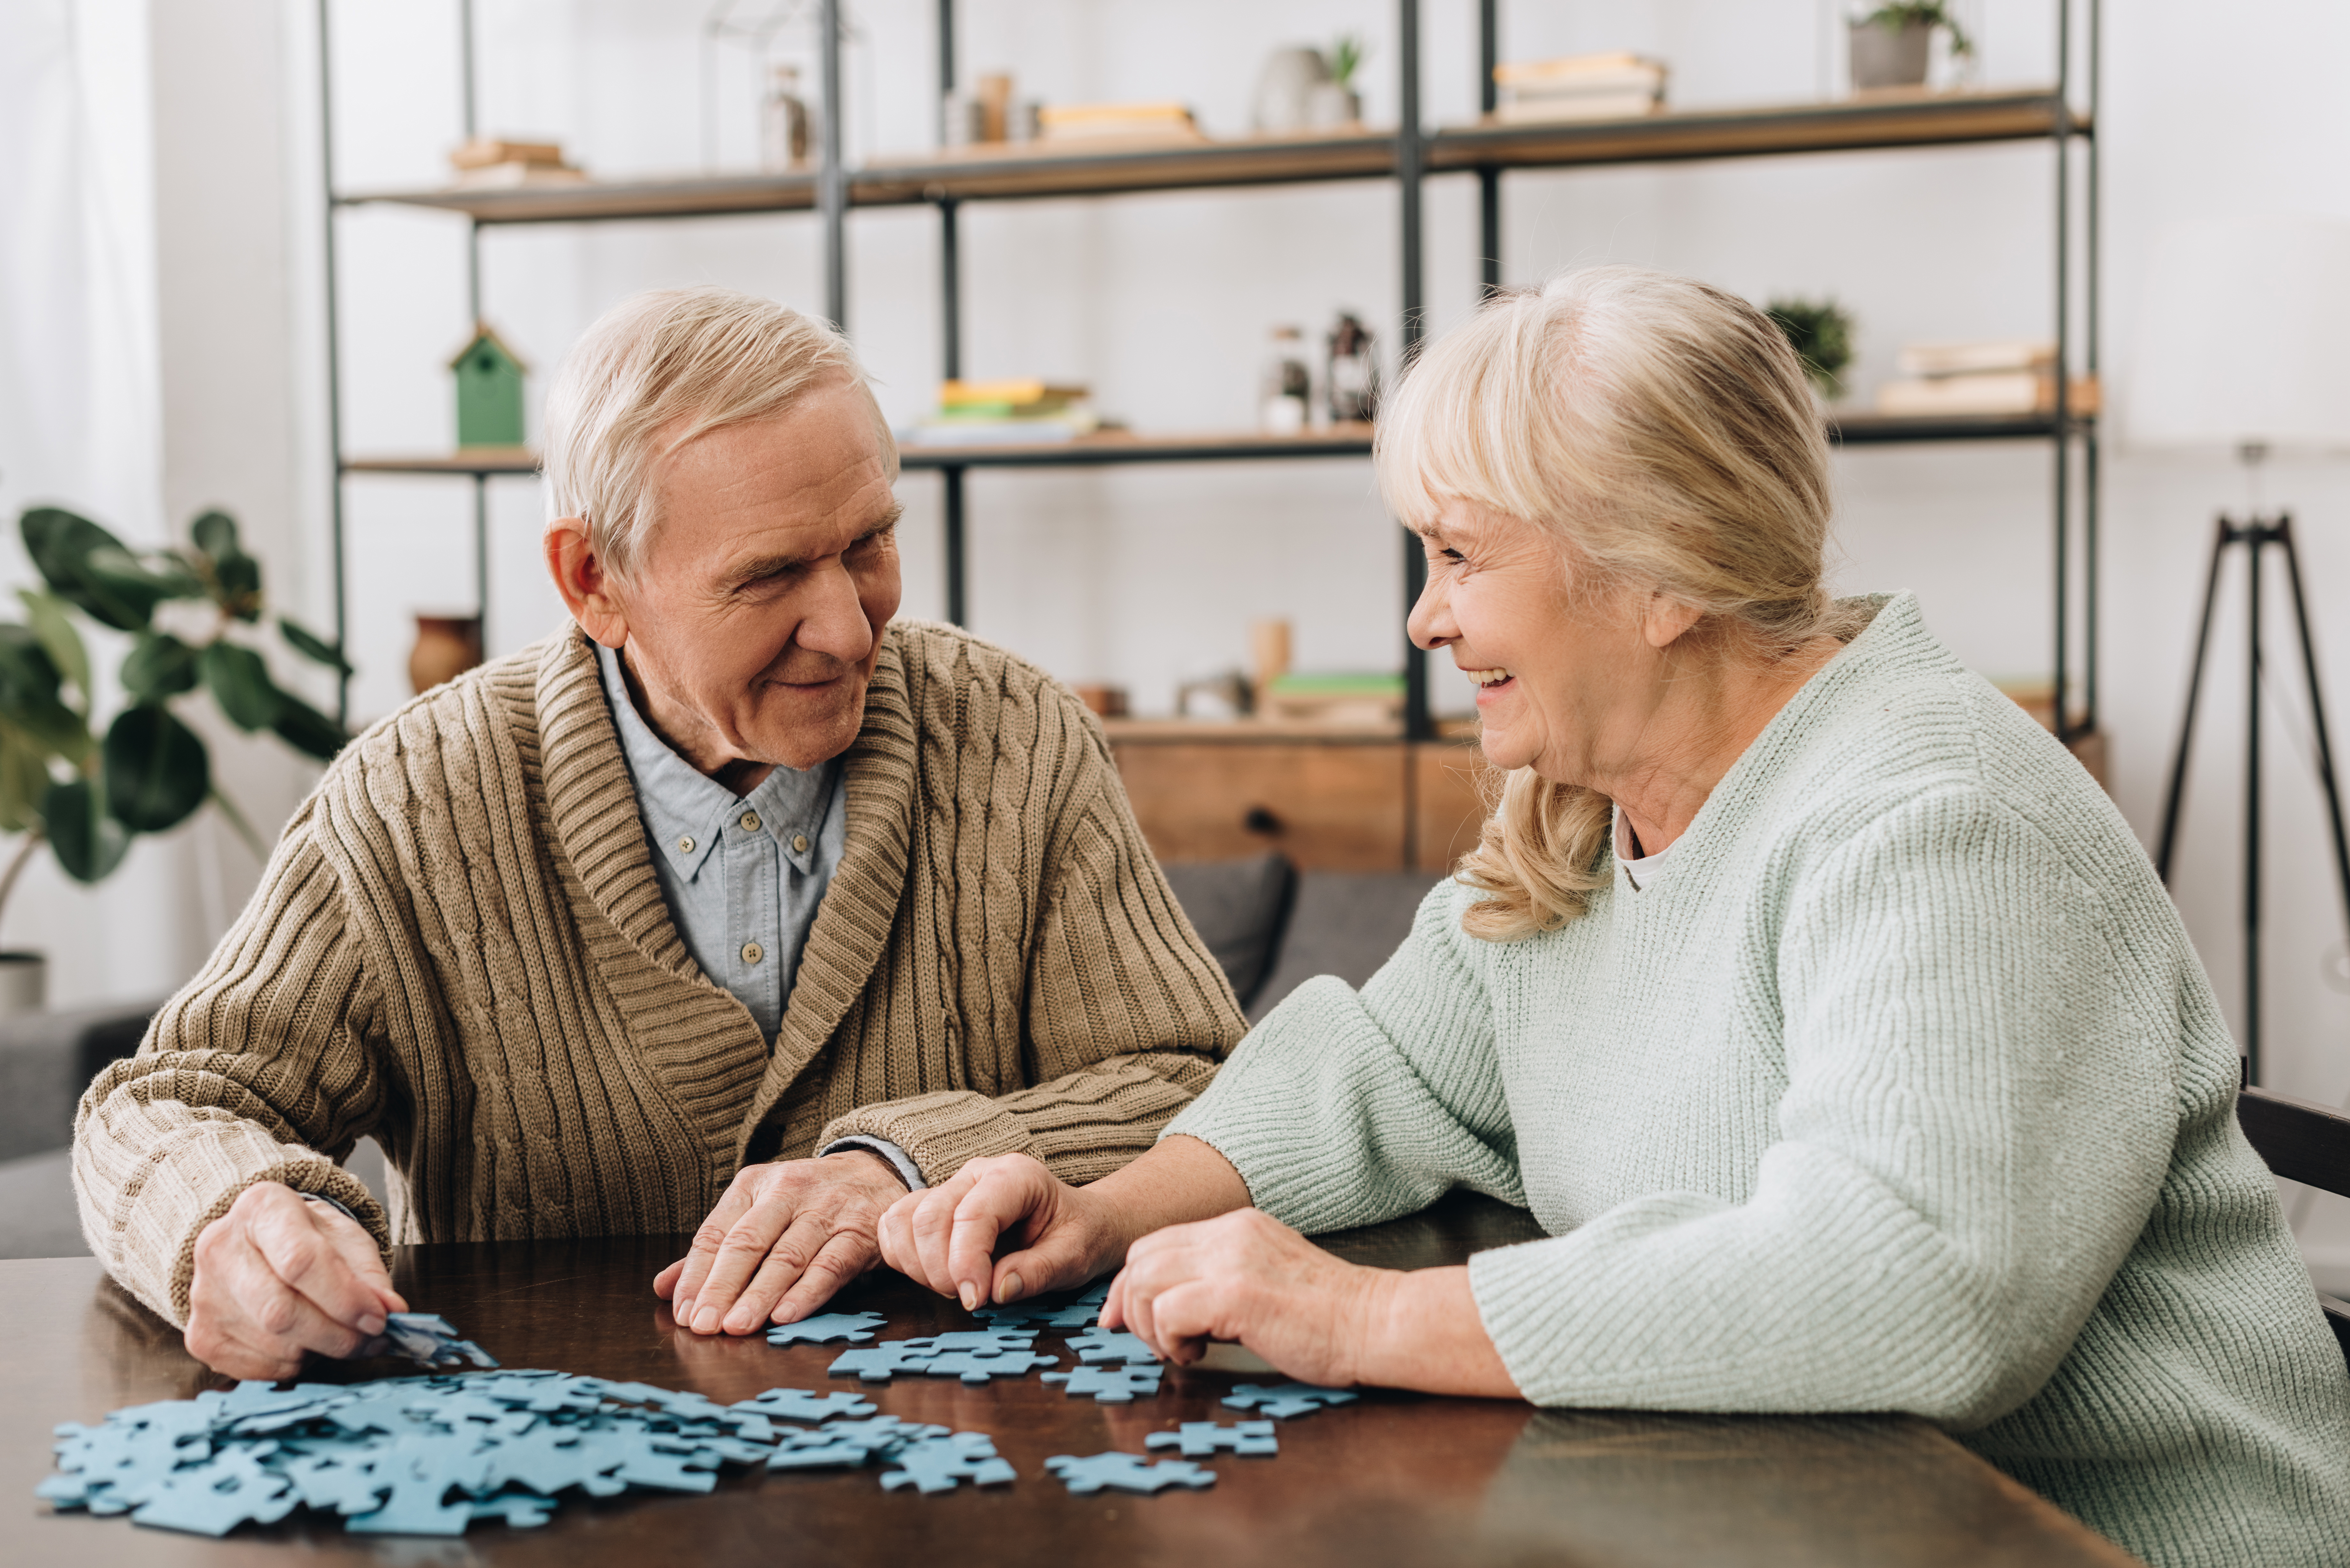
(754, 615)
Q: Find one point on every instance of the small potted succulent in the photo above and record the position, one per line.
(1892, 44)
(84, 787)
(1820, 332)
(1335, 103)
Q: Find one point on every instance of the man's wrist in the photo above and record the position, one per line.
(889, 1173)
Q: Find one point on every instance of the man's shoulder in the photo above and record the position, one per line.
(490, 707)
(966, 683)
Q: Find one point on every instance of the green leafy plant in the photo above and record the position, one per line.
(1902, 13)
(1346, 57)
(1820, 335)
(86, 794)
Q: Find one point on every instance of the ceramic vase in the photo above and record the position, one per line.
(1284, 89)
(446, 647)
(24, 983)
(1889, 56)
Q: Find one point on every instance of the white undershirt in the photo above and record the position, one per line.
(1644, 869)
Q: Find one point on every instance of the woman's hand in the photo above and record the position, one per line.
(946, 1237)
(1245, 1277)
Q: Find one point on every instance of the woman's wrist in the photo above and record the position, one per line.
(1422, 1330)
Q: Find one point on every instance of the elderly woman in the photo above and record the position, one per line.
(1814, 1000)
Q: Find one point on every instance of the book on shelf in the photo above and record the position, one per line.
(1984, 394)
(1976, 358)
(1090, 123)
(1012, 412)
(1618, 86)
(493, 163)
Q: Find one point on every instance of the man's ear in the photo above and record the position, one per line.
(585, 584)
(1666, 620)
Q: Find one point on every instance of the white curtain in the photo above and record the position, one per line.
(80, 422)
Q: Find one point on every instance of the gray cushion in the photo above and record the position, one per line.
(1345, 923)
(1238, 907)
(47, 1059)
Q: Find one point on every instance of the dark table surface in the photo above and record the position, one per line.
(1393, 1478)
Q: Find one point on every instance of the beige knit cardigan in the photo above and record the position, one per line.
(459, 949)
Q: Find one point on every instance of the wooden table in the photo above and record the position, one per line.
(1394, 1479)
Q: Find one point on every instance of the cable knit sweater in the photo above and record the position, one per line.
(1901, 1089)
(460, 948)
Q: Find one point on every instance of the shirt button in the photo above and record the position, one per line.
(753, 953)
(685, 847)
(750, 822)
(799, 844)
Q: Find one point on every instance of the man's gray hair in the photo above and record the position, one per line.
(659, 369)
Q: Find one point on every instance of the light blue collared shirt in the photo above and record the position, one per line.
(742, 875)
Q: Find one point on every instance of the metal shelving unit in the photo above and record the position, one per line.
(1408, 155)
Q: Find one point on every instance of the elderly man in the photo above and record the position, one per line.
(733, 904)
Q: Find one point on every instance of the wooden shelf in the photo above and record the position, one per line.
(1045, 169)
(1112, 447)
(1115, 447)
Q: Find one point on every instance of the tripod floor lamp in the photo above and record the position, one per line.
(2246, 344)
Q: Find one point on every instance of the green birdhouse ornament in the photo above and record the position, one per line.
(489, 392)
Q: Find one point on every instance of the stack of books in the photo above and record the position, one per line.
(1091, 123)
(1332, 699)
(1996, 376)
(1579, 87)
(976, 413)
(491, 163)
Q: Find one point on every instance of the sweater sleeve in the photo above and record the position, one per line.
(259, 1070)
(1346, 1108)
(1127, 1014)
(1976, 1124)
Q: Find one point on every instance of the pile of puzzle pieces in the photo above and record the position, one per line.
(428, 1456)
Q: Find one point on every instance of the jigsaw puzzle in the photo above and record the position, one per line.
(1127, 1472)
(428, 1455)
(975, 1355)
(1112, 1346)
(1056, 1310)
(855, 1328)
(1198, 1439)
(1283, 1400)
(429, 1338)
(1109, 1384)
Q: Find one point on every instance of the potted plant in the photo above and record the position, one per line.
(85, 789)
(1335, 103)
(1892, 44)
(1820, 332)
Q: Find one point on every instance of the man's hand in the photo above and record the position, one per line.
(276, 1277)
(781, 1240)
(946, 1238)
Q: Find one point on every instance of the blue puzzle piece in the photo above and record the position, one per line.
(1109, 1384)
(419, 1472)
(976, 1341)
(1127, 1472)
(215, 1497)
(880, 1363)
(848, 1443)
(857, 1327)
(800, 1405)
(1112, 1346)
(1284, 1400)
(975, 1367)
(939, 1464)
(1199, 1439)
(518, 1509)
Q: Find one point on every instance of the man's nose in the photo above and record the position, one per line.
(835, 622)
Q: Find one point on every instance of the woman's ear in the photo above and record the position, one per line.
(1666, 619)
(584, 581)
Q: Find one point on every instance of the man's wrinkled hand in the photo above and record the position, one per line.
(277, 1277)
(784, 1238)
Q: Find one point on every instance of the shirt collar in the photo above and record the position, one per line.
(685, 810)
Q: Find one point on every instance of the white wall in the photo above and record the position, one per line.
(1148, 575)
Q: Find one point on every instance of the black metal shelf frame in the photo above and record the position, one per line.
(1487, 152)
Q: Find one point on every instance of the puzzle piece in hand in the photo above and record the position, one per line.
(938, 1464)
(800, 1405)
(978, 1367)
(432, 1339)
(1198, 1439)
(1284, 1400)
(857, 1327)
(1127, 1472)
(1109, 1384)
(1114, 1346)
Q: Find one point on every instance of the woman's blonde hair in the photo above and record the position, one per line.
(656, 371)
(1661, 430)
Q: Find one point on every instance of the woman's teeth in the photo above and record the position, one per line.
(1487, 677)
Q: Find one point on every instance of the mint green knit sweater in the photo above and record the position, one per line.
(1900, 1088)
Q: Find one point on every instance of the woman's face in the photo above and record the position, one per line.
(1564, 679)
